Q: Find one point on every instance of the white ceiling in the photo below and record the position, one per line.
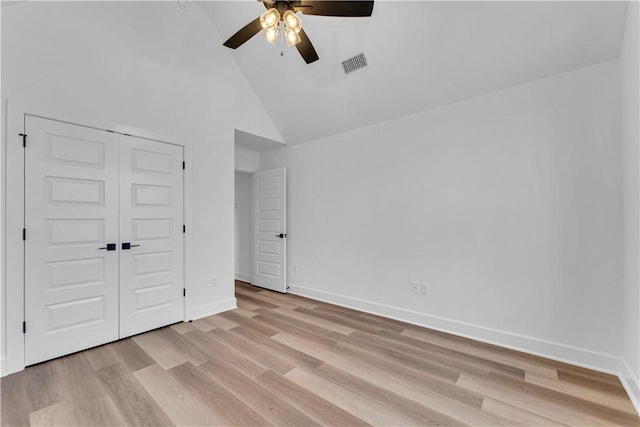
(421, 55)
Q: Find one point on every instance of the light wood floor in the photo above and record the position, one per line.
(285, 360)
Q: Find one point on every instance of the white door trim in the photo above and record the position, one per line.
(13, 260)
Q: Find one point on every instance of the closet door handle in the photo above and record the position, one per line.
(282, 235)
(109, 247)
(128, 245)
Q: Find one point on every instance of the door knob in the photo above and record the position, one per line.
(282, 235)
(109, 247)
(127, 245)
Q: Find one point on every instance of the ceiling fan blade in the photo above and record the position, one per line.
(245, 33)
(335, 8)
(306, 49)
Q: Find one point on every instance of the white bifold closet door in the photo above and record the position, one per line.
(151, 271)
(89, 194)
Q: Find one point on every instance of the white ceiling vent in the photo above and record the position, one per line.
(353, 64)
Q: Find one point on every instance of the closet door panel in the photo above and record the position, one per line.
(151, 235)
(71, 213)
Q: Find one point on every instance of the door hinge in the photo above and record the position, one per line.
(184, 228)
(184, 292)
(24, 327)
(24, 139)
(24, 234)
(184, 165)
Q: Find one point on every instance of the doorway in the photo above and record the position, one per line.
(260, 228)
(243, 236)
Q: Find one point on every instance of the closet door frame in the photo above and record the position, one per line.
(13, 119)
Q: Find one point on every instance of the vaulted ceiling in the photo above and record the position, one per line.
(421, 55)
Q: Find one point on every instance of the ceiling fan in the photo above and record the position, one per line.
(282, 15)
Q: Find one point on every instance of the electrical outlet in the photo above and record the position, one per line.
(295, 268)
(415, 287)
(424, 288)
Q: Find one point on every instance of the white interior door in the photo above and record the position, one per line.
(71, 214)
(270, 229)
(151, 235)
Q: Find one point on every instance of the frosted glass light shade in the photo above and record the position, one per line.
(292, 21)
(292, 36)
(270, 18)
(271, 34)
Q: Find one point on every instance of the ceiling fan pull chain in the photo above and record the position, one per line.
(281, 40)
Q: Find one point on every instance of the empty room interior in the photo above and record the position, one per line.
(337, 213)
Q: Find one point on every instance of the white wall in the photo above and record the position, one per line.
(145, 65)
(246, 160)
(629, 89)
(243, 226)
(508, 205)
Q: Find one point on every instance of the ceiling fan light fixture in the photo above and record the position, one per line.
(270, 18)
(292, 36)
(271, 33)
(292, 21)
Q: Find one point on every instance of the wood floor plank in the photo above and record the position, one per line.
(353, 403)
(368, 322)
(483, 351)
(468, 362)
(175, 400)
(342, 318)
(295, 327)
(367, 346)
(101, 356)
(76, 379)
(179, 342)
(98, 412)
(329, 325)
(24, 392)
(415, 413)
(291, 354)
(261, 400)
(59, 414)
(216, 398)
(264, 356)
(219, 321)
(130, 355)
(250, 322)
(268, 297)
(260, 302)
(217, 348)
(307, 402)
(595, 382)
(296, 300)
(247, 305)
(516, 415)
(134, 403)
(183, 327)
(160, 349)
(240, 285)
(601, 397)
(244, 312)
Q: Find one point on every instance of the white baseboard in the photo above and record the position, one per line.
(631, 385)
(213, 308)
(552, 350)
(3, 367)
(243, 277)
